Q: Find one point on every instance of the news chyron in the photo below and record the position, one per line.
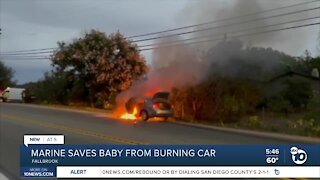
(48, 156)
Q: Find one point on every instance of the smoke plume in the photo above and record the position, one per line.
(178, 66)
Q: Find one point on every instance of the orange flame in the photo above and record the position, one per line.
(132, 116)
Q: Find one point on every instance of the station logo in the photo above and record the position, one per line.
(299, 156)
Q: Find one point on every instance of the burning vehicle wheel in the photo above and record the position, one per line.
(144, 115)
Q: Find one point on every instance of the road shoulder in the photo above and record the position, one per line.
(272, 135)
(280, 136)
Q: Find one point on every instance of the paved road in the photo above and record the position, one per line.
(89, 128)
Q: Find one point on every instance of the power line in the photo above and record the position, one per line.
(225, 19)
(21, 57)
(180, 28)
(224, 33)
(244, 35)
(227, 25)
(217, 39)
(26, 59)
(188, 32)
(200, 37)
(194, 38)
(31, 50)
(26, 53)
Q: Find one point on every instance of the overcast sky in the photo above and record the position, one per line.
(35, 24)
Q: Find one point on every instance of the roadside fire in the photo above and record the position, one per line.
(132, 116)
(163, 79)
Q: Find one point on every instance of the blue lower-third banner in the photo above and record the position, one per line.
(157, 160)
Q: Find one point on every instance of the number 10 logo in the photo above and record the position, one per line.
(299, 156)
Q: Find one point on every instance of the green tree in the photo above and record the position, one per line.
(306, 63)
(53, 88)
(105, 64)
(233, 60)
(6, 75)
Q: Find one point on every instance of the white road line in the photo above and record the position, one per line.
(3, 177)
(103, 115)
(100, 115)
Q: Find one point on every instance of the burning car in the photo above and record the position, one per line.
(145, 108)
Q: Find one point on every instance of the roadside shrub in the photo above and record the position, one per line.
(298, 93)
(280, 105)
(309, 127)
(217, 100)
(254, 122)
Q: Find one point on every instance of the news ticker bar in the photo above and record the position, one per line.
(169, 155)
(187, 172)
(154, 161)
